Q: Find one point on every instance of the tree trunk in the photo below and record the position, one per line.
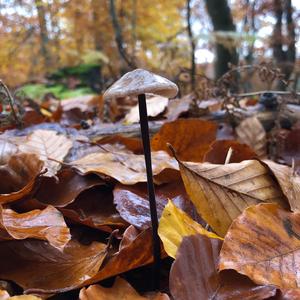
(221, 18)
(119, 36)
(43, 33)
(192, 44)
(285, 59)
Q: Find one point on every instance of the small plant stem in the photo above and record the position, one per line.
(228, 156)
(151, 192)
(11, 103)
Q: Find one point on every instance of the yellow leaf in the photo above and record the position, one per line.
(174, 224)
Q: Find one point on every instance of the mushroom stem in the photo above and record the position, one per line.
(151, 192)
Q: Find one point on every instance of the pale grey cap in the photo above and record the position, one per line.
(140, 81)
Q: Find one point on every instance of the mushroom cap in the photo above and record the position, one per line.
(140, 81)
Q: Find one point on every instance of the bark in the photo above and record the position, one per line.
(119, 35)
(44, 38)
(192, 45)
(221, 18)
(285, 59)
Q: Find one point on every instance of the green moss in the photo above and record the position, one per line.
(37, 91)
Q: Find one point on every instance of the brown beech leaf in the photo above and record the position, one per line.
(125, 167)
(18, 176)
(134, 254)
(47, 144)
(40, 268)
(263, 243)
(47, 224)
(219, 149)
(120, 290)
(251, 132)
(133, 204)
(94, 208)
(194, 274)
(190, 137)
(64, 190)
(221, 192)
(288, 181)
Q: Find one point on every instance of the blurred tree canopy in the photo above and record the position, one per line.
(38, 37)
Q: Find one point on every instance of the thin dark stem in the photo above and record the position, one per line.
(151, 192)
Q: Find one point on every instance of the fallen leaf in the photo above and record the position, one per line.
(133, 204)
(177, 107)
(135, 254)
(155, 106)
(4, 295)
(18, 176)
(7, 149)
(25, 297)
(220, 193)
(40, 268)
(127, 168)
(62, 191)
(190, 137)
(120, 290)
(133, 144)
(194, 274)
(174, 225)
(219, 149)
(251, 132)
(47, 224)
(47, 144)
(94, 208)
(289, 183)
(263, 243)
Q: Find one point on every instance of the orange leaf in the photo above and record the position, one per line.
(18, 176)
(47, 224)
(264, 244)
(190, 137)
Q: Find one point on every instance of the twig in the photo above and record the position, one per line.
(263, 92)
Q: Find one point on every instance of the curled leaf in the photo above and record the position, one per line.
(47, 224)
(18, 176)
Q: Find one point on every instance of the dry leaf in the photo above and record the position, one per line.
(177, 107)
(120, 290)
(264, 244)
(62, 191)
(133, 204)
(4, 295)
(194, 274)
(125, 167)
(219, 149)
(135, 254)
(47, 144)
(174, 224)
(221, 192)
(190, 137)
(94, 208)
(47, 224)
(25, 297)
(18, 176)
(251, 132)
(40, 268)
(155, 106)
(7, 149)
(289, 183)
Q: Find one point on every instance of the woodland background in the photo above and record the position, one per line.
(179, 39)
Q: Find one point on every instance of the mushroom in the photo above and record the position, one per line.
(137, 83)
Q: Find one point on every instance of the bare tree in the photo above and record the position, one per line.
(221, 18)
(40, 7)
(192, 43)
(119, 35)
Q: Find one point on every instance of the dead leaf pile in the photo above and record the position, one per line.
(75, 218)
